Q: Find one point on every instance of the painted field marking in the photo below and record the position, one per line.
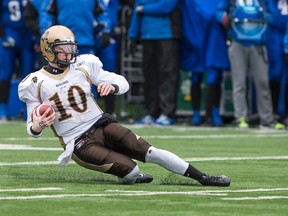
(51, 196)
(285, 157)
(27, 147)
(257, 198)
(153, 193)
(216, 191)
(214, 136)
(30, 189)
(35, 163)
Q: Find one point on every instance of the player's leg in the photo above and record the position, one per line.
(259, 71)
(239, 66)
(7, 66)
(276, 67)
(123, 140)
(173, 163)
(91, 153)
(150, 68)
(213, 97)
(196, 94)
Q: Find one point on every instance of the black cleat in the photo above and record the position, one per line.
(143, 178)
(222, 181)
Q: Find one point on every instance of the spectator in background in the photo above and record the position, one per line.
(277, 21)
(157, 24)
(286, 75)
(107, 46)
(35, 17)
(203, 50)
(247, 27)
(16, 45)
(80, 17)
(129, 3)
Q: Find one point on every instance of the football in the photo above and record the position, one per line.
(41, 108)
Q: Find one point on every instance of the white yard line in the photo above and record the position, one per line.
(34, 163)
(51, 196)
(256, 198)
(27, 147)
(285, 157)
(151, 193)
(29, 163)
(212, 191)
(30, 189)
(215, 136)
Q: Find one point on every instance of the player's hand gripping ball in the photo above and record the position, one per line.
(41, 109)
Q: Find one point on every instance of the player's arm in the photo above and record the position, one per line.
(111, 83)
(26, 93)
(106, 82)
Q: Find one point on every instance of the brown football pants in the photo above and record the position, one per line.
(110, 149)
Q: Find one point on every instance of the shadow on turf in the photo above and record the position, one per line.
(61, 174)
(173, 179)
(83, 176)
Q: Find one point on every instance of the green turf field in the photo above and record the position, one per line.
(31, 183)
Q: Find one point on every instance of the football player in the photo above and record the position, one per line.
(277, 21)
(16, 45)
(203, 54)
(92, 138)
(246, 24)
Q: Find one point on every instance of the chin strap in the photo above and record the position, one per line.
(63, 66)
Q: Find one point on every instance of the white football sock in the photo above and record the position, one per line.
(167, 160)
(131, 177)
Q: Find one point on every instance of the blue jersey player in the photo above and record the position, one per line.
(277, 21)
(246, 22)
(80, 16)
(106, 43)
(204, 51)
(16, 44)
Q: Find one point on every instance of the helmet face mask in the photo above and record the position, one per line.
(59, 40)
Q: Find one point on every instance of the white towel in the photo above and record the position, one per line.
(66, 156)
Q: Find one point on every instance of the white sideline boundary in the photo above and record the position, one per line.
(218, 193)
(30, 189)
(27, 147)
(35, 163)
(193, 136)
(257, 198)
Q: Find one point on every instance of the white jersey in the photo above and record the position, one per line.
(69, 94)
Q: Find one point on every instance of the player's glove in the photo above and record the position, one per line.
(227, 21)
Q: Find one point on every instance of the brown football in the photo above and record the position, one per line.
(40, 109)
